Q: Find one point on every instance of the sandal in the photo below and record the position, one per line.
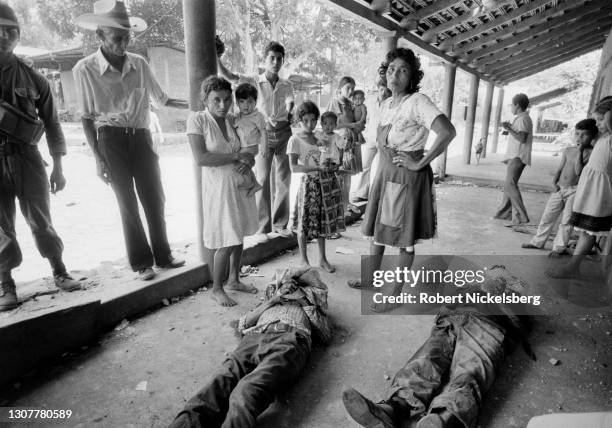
(335, 235)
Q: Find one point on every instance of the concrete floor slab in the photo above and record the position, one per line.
(177, 348)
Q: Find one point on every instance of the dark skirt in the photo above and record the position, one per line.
(591, 224)
(401, 206)
(319, 211)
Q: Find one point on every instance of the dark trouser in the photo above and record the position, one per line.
(130, 159)
(512, 203)
(23, 176)
(263, 365)
(274, 213)
(464, 348)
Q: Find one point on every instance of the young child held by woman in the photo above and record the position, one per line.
(361, 112)
(250, 126)
(319, 209)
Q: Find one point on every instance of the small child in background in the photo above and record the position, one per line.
(332, 147)
(478, 150)
(361, 111)
(330, 143)
(250, 126)
(592, 209)
(319, 209)
(565, 181)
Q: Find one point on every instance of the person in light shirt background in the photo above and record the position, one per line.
(518, 156)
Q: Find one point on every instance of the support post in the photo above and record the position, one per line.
(201, 57)
(389, 43)
(450, 71)
(497, 121)
(486, 117)
(471, 118)
(539, 119)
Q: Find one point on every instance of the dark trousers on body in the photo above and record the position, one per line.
(134, 169)
(452, 370)
(23, 176)
(273, 213)
(263, 365)
(512, 206)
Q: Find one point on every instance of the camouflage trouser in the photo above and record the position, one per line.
(23, 177)
(453, 369)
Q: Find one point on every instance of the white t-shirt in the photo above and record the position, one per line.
(308, 154)
(521, 123)
(410, 121)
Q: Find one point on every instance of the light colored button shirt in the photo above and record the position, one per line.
(111, 97)
(515, 149)
(272, 102)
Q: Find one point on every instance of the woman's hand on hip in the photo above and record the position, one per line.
(405, 161)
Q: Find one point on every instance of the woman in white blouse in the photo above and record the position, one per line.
(230, 213)
(401, 204)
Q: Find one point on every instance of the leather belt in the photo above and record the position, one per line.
(121, 130)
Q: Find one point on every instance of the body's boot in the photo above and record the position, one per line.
(61, 278)
(8, 295)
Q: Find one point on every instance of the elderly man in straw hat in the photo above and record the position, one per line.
(26, 109)
(114, 88)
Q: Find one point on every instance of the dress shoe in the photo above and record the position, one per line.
(173, 263)
(365, 412)
(8, 296)
(146, 274)
(65, 282)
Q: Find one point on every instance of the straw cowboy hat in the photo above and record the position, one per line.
(110, 13)
(7, 16)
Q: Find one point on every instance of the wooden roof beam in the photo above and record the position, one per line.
(548, 40)
(534, 61)
(584, 15)
(365, 13)
(432, 9)
(511, 77)
(447, 44)
(528, 68)
(466, 17)
(525, 24)
(545, 53)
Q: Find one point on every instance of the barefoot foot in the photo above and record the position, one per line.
(222, 299)
(326, 266)
(240, 286)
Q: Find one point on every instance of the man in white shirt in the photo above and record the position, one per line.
(275, 101)
(114, 88)
(518, 154)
